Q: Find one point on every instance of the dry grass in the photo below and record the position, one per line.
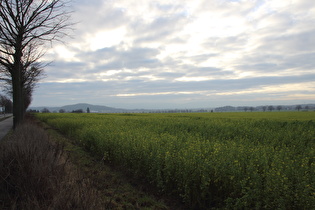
(34, 174)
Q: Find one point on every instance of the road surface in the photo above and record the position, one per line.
(5, 126)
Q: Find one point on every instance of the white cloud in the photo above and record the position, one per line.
(64, 53)
(105, 39)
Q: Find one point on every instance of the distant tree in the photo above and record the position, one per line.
(45, 110)
(251, 108)
(298, 107)
(264, 108)
(62, 111)
(88, 110)
(245, 108)
(279, 108)
(33, 111)
(77, 111)
(306, 107)
(6, 103)
(270, 108)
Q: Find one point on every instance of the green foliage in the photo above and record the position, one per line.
(221, 160)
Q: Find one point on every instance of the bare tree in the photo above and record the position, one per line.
(279, 108)
(270, 108)
(30, 77)
(6, 103)
(298, 107)
(25, 27)
(45, 110)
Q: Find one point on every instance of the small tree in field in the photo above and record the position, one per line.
(25, 26)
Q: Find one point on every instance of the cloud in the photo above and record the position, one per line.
(218, 50)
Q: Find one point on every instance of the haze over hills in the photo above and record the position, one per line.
(106, 109)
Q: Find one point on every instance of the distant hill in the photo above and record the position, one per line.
(83, 106)
(93, 108)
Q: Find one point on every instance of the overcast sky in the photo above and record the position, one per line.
(184, 54)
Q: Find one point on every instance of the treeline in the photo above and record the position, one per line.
(46, 110)
(266, 108)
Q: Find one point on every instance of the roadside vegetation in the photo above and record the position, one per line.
(41, 169)
(208, 160)
(33, 174)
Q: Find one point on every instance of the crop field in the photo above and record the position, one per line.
(209, 160)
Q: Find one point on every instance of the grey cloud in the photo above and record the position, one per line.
(132, 59)
(118, 59)
(104, 92)
(65, 70)
(288, 44)
(259, 67)
(228, 44)
(161, 29)
(95, 15)
(304, 61)
(169, 75)
(202, 57)
(266, 63)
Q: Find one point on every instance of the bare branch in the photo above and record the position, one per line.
(25, 27)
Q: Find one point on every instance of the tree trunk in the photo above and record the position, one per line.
(18, 110)
(17, 86)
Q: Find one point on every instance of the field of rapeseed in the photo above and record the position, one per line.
(209, 160)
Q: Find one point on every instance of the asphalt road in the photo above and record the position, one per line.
(5, 126)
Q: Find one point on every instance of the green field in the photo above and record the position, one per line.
(222, 160)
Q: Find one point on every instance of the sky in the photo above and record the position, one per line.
(183, 54)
